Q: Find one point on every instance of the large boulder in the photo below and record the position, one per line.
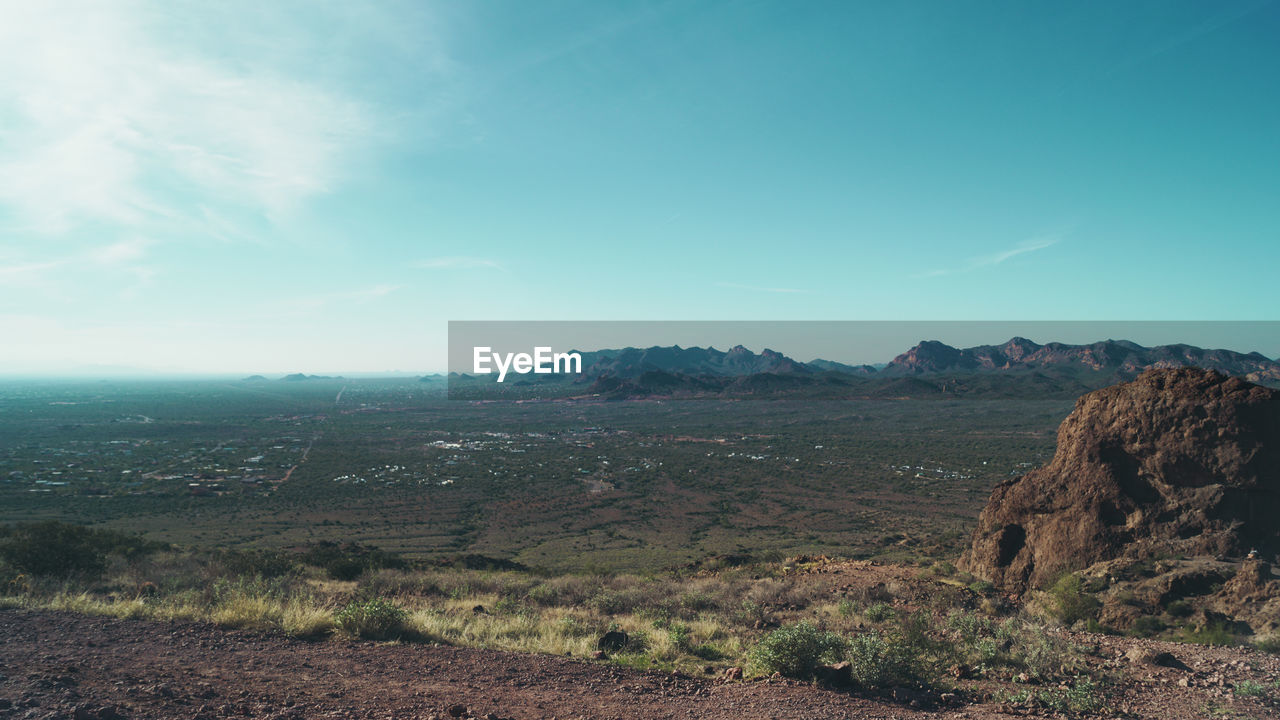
(1181, 461)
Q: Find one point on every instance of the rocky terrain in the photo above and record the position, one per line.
(60, 665)
(1176, 473)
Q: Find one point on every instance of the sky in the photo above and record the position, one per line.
(321, 186)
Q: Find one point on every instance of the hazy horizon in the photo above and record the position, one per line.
(850, 342)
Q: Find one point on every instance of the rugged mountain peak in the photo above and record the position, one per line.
(1177, 461)
(928, 356)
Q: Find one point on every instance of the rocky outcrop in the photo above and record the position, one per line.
(1177, 461)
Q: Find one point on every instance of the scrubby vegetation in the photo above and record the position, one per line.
(797, 650)
(57, 549)
(871, 628)
(373, 619)
(1071, 601)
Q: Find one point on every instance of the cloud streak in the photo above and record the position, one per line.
(108, 122)
(984, 261)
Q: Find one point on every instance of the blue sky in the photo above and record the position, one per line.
(277, 186)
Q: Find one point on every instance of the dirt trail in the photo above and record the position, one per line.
(56, 663)
(60, 665)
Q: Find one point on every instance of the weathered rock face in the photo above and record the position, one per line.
(1177, 461)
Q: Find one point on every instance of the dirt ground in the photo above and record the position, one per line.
(61, 665)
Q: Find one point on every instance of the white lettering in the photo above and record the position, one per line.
(542, 361)
(567, 358)
(502, 366)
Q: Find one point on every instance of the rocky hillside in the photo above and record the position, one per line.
(1119, 359)
(1178, 461)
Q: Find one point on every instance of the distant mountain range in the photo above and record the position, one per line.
(1018, 367)
(295, 377)
(1107, 356)
(931, 357)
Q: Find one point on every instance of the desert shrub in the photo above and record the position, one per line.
(399, 583)
(879, 612)
(510, 606)
(1148, 626)
(880, 660)
(749, 613)
(970, 627)
(53, 548)
(1041, 654)
(616, 602)
(267, 563)
(795, 650)
(679, 635)
(349, 561)
(1253, 689)
(1080, 697)
(1211, 633)
(981, 587)
(697, 601)
(373, 619)
(573, 627)
(544, 595)
(775, 593)
(1069, 601)
(1179, 609)
(942, 568)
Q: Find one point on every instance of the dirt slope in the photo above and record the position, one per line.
(58, 665)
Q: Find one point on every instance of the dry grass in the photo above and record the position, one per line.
(673, 621)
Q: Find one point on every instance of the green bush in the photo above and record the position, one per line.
(1070, 602)
(879, 612)
(1211, 633)
(1254, 689)
(981, 587)
(795, 650)
(1148, 626)
(54, 548)
(1080, 697)
(878, 661)
(349, 561)
(373, 619)
(697, 601)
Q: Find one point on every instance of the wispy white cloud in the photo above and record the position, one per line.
(976, 263)
(125, 258)
(458, 262)
(757, 288)
(107, 121)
